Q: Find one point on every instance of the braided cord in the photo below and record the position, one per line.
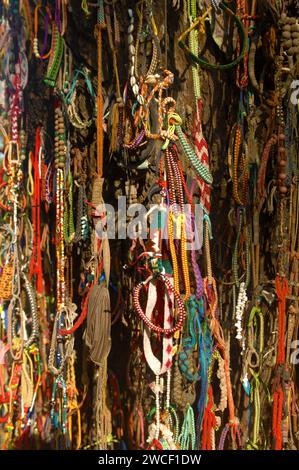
(202, 171)
(55, 58)
(193, 38)
(100, 13)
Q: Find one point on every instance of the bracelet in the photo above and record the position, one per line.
(57, 46)
(152, 326)
(203, 62)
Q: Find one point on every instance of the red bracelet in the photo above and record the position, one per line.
(152, 326)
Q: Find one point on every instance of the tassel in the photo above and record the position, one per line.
(98, 326)
(97, 191)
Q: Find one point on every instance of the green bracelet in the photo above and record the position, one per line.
(55, 61)
(206, 64)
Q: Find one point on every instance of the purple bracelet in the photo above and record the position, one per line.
(136, 142)
(223, 437)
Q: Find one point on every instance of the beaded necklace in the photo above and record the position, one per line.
(68, 221)
(61, 294)
(150, 324)
(239, 165)
(60, 349)
(174, 181)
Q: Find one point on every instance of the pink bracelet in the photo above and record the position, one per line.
(152, 326)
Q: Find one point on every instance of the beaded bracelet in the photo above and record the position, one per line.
(152, 326)
(203, 62)
(68, 219)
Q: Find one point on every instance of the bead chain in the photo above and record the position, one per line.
(152, 326)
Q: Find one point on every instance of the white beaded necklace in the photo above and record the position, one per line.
(241, 304)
